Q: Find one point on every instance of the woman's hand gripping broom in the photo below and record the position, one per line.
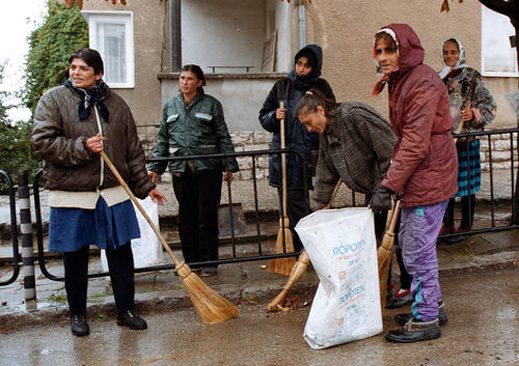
(211, 307)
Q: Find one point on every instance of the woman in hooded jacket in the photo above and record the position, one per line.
(422, 173)
(472, 107)
(303, 77)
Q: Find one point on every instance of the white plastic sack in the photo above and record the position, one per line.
(147, 250)
(342, 247)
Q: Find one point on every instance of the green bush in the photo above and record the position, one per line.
(50, 46)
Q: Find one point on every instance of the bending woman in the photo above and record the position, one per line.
(356, 146)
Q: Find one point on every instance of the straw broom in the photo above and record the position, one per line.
(300, 267)
(385, 254)
(285, 241)
(211, 307)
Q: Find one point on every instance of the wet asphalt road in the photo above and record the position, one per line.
(483, 330)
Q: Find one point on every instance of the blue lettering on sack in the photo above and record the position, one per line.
(353, 293)
(348, 248)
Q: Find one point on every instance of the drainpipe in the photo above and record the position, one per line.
(302, 24)
(175, 35)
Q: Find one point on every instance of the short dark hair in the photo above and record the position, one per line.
(197, 70)
(91, 57)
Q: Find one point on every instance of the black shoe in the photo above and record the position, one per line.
(132, 321)
(208, 271)
(405, 317)
(414, 331)
(399, 299)
(79, 325)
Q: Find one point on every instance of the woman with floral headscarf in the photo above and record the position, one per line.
(472, 107)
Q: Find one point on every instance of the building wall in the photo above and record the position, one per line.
(241, 95)
(145, 99)
(345, 30)
(223, 33)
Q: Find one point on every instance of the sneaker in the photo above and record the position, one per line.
(447, 230)
(79, 325)
(442, 316)
(399, 299)
(415, 331)
(132, 321)
(208, 271)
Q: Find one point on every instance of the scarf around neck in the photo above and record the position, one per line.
(88, 97)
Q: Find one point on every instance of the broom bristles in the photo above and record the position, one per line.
(283, 266)
(297, 272)
(210, 307)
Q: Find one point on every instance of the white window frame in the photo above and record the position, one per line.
(114, 17)
(487, 24)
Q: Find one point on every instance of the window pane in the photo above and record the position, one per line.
(497, 55)
(111, 38)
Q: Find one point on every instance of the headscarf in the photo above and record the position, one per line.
(304, 83)
(95, 95)
(459, 63)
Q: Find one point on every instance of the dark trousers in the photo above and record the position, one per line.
(120, 266)
(297, 208)
(198, 196)
(467, 212)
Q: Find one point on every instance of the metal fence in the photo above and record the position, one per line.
(258, 243)
(15, 263)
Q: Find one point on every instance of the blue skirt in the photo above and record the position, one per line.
(469, 168)
(72, 228)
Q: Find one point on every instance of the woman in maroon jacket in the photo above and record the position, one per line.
(423, 171)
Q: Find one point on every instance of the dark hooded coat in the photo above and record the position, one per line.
(289, 91)
(424, 167)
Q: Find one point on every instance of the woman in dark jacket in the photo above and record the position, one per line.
(72, 124)
(304, 76)
(193, 123)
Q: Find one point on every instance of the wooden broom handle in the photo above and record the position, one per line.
(143, 212)
(394, 218)
(283, 161)
(334, 193)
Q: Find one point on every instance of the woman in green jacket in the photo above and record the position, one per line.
(193, 124)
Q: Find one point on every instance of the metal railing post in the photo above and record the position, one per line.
(29, 281)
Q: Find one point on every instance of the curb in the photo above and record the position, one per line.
(252, 292)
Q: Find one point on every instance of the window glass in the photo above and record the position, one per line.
(111, 39)
(498, 58)
(111, 33)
